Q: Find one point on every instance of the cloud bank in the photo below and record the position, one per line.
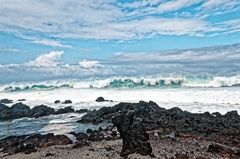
(115, 19)
(212, 61)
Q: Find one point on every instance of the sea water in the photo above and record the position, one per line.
(220, 94)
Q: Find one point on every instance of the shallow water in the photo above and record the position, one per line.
(57, 124)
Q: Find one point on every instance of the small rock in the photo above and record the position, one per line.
(81, 136)
(57, 101)
(6, 101)
(100, 99)
(108, 148)
(89, 131)
(91, 149)
(49, 154)
(81, 143)
(65, 110)
(80, 111)
(171, 136)
(67, 102)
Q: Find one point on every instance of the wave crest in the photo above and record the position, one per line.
(127, 82)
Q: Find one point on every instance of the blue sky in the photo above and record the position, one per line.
(96, 31)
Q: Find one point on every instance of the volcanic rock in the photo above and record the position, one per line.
(41, 110)
(134, 135)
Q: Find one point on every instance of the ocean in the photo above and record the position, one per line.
(194, 94)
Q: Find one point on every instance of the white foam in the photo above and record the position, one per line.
(193, 100)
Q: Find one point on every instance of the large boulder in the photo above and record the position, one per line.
(134, 135)
(41, 110)
(17, 110)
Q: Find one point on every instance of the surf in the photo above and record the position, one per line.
(128, 83)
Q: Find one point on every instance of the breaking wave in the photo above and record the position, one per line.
(127, 82)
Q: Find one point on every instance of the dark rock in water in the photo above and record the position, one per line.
(28, 144)
(80, 111)
(90, 118)
(21, 100)
(134, 135)
(67, 102)
(89, 131)
(65, 110)
(6, 101)
(3, 107)
(57, 101)
(101, 99)
(17, 110)
(41, 110)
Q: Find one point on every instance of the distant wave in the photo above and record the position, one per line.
(127, 82)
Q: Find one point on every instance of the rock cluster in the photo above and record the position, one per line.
(20, 110)
(29, 144)
(222, 128)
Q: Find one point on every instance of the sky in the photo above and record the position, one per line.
(42, 40)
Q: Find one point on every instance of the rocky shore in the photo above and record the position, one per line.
(20, 110)
(135, 129)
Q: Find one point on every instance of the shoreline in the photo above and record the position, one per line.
(175, 133)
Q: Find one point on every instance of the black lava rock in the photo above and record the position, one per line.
(6, 101)
(134, 135)
(41, 110)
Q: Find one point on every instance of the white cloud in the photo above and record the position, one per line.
(51, 59)
(109, 19)
(50, 43)
(89, 64)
